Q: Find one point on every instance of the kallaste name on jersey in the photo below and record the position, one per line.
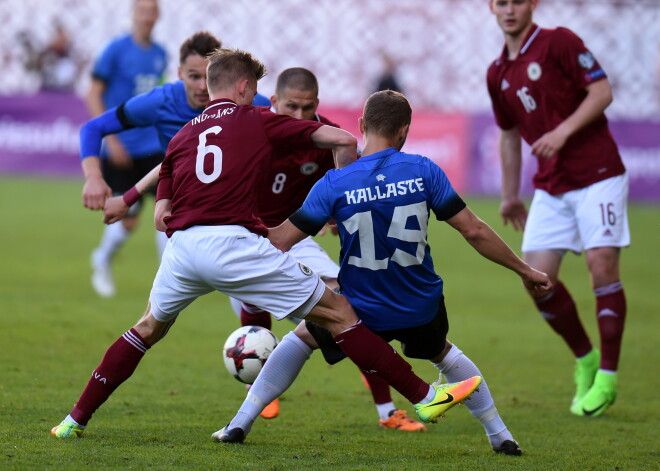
(404, 187)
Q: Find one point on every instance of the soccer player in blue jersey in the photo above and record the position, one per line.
(381, 204)
(129, 65)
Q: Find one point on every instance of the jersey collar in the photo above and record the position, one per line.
(380, 154)
(531, 36)
(219, 102)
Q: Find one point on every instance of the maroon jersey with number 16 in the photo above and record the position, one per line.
(542, 87)
(214, 162)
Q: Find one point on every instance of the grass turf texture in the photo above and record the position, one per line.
(55, 331)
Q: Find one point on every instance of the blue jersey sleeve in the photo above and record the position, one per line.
(142, 110)
(316, 209)
(261, 100)
(93, 131)
(445, 202)
(104, 67)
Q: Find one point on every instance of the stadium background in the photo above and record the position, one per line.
(442, 49)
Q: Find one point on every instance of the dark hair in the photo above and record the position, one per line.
(226, 66)
(297, 78)
(201, 43)
(386, 112)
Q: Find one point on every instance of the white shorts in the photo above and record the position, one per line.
(577, 220)
(309, 252)
(234, 261)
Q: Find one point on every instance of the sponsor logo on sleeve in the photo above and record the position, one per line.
(586, 60)
(305, 269)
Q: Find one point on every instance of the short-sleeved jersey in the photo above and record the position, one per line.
(542, 87)
(382, 204)
(129, 69)
(165, 107)
(213, 164)
(289, 179)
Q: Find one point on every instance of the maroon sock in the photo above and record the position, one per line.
(373, 355)
(380, 389)
(117, 366)
(558, 309)
(611, 314)
(255, 316)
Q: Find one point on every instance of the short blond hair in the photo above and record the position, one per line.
(227, 66)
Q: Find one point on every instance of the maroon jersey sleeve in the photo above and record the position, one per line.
(501, 117)
(164, 189)
(285, 130)
(577, 62)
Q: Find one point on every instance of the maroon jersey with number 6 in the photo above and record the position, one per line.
(291, 175)
(214, 162)
(542, 87)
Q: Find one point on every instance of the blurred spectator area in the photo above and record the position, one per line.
(442, 47)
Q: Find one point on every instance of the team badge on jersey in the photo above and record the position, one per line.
(586, 60)
(309, 168)
(505, 84)
(305, 269)
(380, 177)
(534, 71)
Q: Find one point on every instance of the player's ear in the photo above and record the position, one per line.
(241, 86)
(361, 124)
(273, 101)
(179, 73)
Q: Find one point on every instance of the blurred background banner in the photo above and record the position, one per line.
(436, 51)
(39, 134)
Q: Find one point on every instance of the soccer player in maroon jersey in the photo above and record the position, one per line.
(206, 203)
(548, 89)
(281, 192)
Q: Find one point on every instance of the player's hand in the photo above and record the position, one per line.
(115, 209)
(118, 155)
(549, 144)
(95, 192)
(513, 211)
(536, 282)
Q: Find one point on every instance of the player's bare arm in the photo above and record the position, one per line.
(599, 97)
(285, 236)
(117, 207)
(162, 210)
(95, 189)
(512, 209)
(342, 143)
(490, 245)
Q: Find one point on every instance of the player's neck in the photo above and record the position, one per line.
(374, 143)
(141, 38)
(515, 42)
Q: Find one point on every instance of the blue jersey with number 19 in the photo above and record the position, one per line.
(382, 204)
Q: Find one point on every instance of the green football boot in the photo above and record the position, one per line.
(67, 430)
(585, 372)
(600, 396)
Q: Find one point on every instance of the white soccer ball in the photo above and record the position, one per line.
(246, 351)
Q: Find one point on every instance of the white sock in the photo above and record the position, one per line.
(161, 242)
(385, 409)
(458, 367)
(277, 375)
(70, 419)
(114, 236)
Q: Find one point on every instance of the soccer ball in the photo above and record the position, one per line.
(246, 351)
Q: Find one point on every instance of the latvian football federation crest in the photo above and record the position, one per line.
(534, 71)
(309, 168)
(305, 269)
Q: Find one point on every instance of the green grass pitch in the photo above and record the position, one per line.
(54, 330)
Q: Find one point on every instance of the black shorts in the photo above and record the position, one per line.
(121, 180)
(424, 341)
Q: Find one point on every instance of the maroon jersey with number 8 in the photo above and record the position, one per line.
(542, 87)
(214, 162)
